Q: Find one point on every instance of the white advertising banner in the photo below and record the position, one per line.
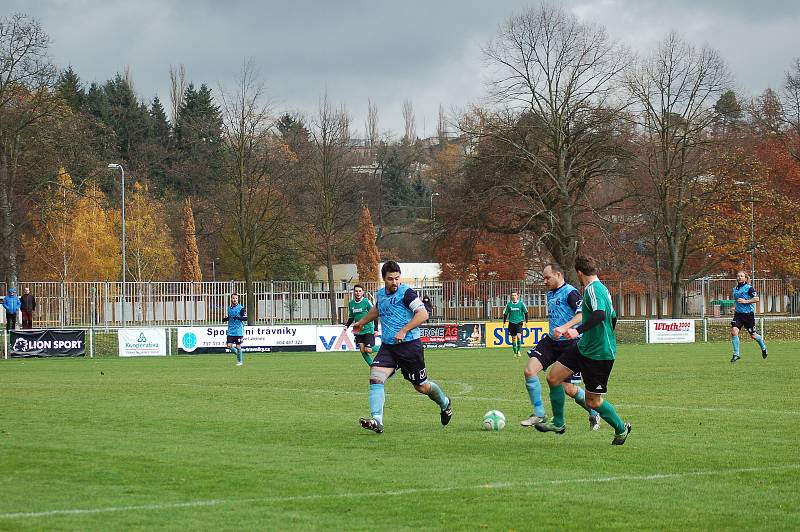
(142, 342)
(670, 331)
(256, 338)
(335, 338)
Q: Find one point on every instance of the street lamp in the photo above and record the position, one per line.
(124, 266)
(213, 269)
(432, 195)
(752, 229)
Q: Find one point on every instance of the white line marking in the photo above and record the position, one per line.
(400, 492)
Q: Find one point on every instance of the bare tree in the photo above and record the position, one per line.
(329, 188)
(255, 209)
(675, 89)
(549, 128)
(26, 77)
(409, 119)
(177, 90)
(371, 127)
(791, 105)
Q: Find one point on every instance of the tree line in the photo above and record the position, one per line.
(647, 160)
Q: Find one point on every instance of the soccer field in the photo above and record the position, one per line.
(195, 442)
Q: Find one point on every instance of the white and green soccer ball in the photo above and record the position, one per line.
(494, 420)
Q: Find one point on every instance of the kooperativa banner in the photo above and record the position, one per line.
(48, 343)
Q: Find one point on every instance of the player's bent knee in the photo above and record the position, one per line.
(376, 377)
(594, 401)
(423, 388)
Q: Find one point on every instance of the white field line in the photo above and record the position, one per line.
(395, 493)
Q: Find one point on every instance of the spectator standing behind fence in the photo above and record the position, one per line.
(28, 302)
(12, 304)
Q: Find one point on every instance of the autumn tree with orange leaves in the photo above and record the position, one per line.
(368, 256)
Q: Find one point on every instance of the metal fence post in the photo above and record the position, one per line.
(91, 343)
(705, 330)
(5, 344)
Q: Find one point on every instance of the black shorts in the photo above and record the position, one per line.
(744, 321)
(547, 352)
(595, 372)
(514, 329)
(234, 340)
(408, 356)
(368, 339)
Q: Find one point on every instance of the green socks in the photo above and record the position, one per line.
(557, 400)
(367, 358)
(609, 414)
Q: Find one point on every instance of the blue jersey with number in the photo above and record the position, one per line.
(237, 316)
(396, 310)
(747, 292)
(562, 305)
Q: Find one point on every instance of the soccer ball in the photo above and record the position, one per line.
(494, 420)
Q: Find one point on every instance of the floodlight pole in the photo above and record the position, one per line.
(124, 265)
(432, 195)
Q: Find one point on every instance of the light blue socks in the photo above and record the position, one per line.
(377, 397)
(437, 395)
(580, 398)
(735, 342)
(535, 393)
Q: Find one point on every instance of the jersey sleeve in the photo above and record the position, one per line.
(412, 301)
(574, 301)
(752, 293)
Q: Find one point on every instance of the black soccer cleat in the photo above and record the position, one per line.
(763, 353)
(372, 424)
(619, 439)
(447, 413)
(734, 358)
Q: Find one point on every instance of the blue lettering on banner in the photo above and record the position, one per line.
(501, 336)
(326, 344)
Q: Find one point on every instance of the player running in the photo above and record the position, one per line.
(236, 317)
(517, 313)
(357, 307)
(744, 316)
(563, 304)
(593, 355)
(401, 313)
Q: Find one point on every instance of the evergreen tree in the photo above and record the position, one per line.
(368, 255)
(70, 89)
(198, 139)
(190, 261)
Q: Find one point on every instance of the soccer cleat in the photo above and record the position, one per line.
(548, 426)
(619, 439)
(447, 413)
(594, 422)
(239, 363)
(533, 420)
(763, 353)
(372, 424)
(734, 358)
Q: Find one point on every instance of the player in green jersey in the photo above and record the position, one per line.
(593, 355)
(517, 314)
(358, 306)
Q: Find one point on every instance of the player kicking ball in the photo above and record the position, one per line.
(236, 317)
(401, 313)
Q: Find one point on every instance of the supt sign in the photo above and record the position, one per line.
(48, 343)
(670, 331)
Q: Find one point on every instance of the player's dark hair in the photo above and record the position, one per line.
(554, 267)
(389, 266)
(514, 292)
(357, 286)
(585, 265)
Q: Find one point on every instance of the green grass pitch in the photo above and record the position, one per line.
(191, 442)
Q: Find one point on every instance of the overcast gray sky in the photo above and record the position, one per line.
(427, 51)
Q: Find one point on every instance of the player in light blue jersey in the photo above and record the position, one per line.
(744, 316)
(401, 313)
(563, 303)
(236, 316)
